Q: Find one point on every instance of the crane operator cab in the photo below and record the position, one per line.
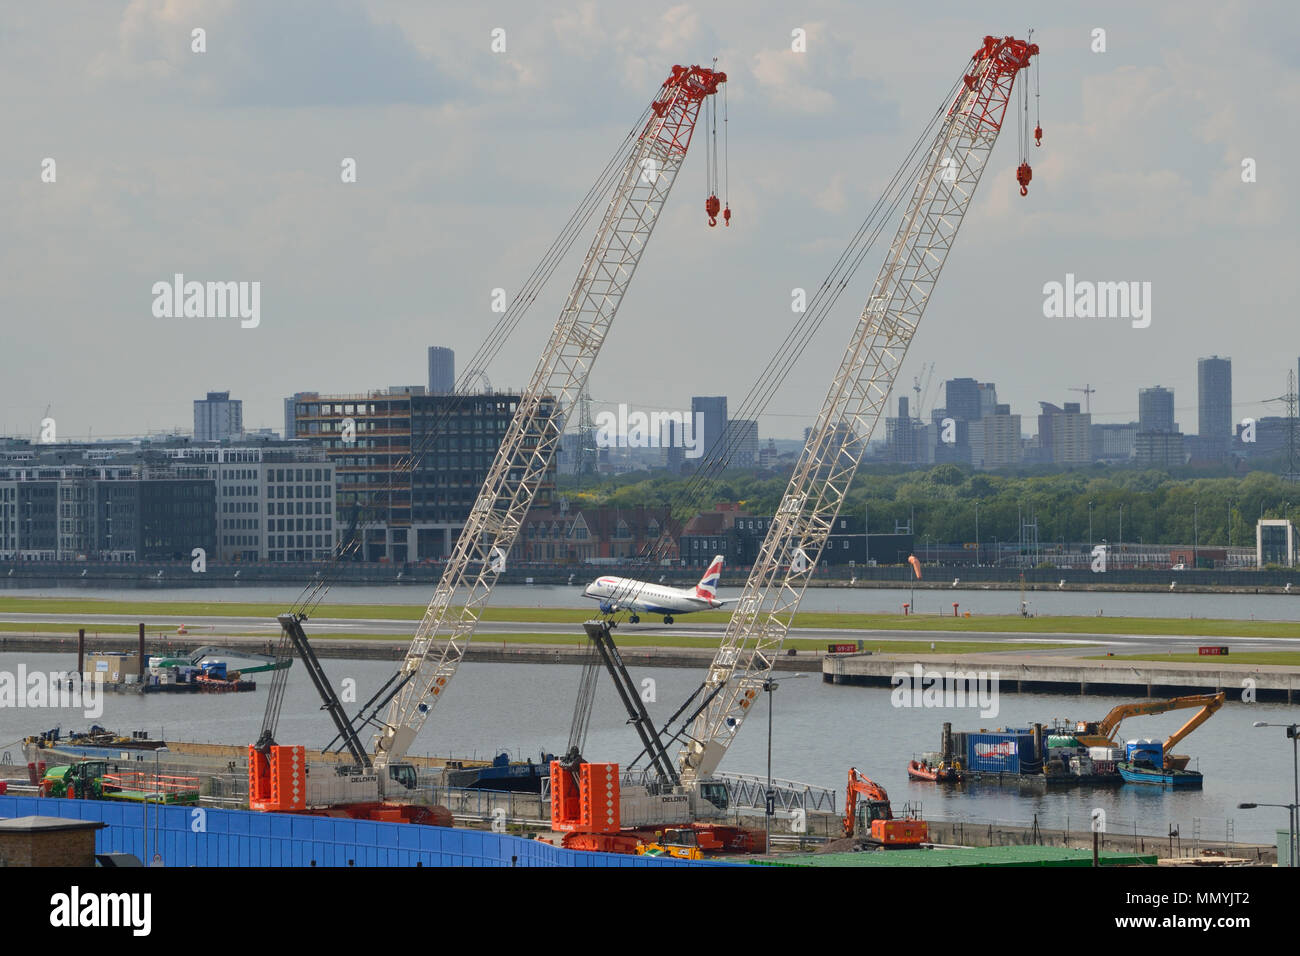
(402, 774)
(715, 792)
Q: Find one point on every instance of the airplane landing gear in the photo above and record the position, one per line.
(634, 619)
(668, 618)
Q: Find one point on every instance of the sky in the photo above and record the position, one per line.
(225, 165)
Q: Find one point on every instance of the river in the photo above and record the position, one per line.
(819, 731)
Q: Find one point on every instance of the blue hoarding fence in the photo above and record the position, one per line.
(214, 836)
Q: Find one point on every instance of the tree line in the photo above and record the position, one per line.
(944, 502)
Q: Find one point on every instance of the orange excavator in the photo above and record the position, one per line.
(876, 814)
(1102, 733)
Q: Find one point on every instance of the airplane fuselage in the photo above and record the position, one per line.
(642, 596)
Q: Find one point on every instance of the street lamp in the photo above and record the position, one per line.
(1292, 732)
(157, 810)
(769, 688)
(1090, 526)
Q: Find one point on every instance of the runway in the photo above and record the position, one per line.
(1088, 644)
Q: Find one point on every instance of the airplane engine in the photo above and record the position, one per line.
(608, 608)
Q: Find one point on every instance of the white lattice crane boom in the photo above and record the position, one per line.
(534, 432)
(857, 396)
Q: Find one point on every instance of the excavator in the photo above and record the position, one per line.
(1102, 733)
(886, 830)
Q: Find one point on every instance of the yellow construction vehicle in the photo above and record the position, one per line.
(680, 844)
(1102, 733)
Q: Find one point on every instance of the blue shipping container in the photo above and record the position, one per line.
(999, 753)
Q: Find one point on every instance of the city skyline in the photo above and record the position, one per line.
(467, 162)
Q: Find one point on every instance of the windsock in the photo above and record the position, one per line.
(916, 565)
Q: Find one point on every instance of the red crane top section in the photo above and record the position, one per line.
(678, 105)
(992, 74)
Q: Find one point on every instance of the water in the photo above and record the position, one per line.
(1264, 607)
(819, 731)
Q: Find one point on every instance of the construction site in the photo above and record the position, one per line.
(359, 793)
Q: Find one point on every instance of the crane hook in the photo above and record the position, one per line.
(1038, 135)
(1023, 174)
(726, 215)
(711, 207)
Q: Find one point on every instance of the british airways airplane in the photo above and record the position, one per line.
(627, 594)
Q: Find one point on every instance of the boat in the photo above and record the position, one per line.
(943, 773)
(1148, 773)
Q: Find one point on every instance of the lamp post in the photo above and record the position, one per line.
(1292, 731)
(157, 794)
(977, 534)
(769, 688)
(1089, 527)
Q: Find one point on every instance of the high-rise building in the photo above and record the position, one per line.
(1065, 434)
(442, 370)
(742, 443)
(901, 434)
(1156, 410)
(712, 427)
(218, 417)
(962, 399)
(1214, 404)
(995, 440)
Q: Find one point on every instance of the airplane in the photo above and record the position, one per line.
(628, 594)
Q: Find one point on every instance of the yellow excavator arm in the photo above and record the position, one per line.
(1212, 704)
(1102, 734)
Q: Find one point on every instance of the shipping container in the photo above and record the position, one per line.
(1059, 740)
(999, 753)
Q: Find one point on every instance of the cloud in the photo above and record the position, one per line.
(286, 54)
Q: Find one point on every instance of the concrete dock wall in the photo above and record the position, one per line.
(1070, 676)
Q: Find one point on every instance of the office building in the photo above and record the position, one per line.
(711, 427)
(1114, 443)
(1159, 449)
(218, 417)
(442, 370)
(1065, 434)
(742, 443)
(273, 503)
(1156, 410)
(1214, 405)
(995, 440)
(409, 465)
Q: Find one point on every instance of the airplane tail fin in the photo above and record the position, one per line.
(708, 586)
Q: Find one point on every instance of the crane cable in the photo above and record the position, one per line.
(315, 591)
(803, 331)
